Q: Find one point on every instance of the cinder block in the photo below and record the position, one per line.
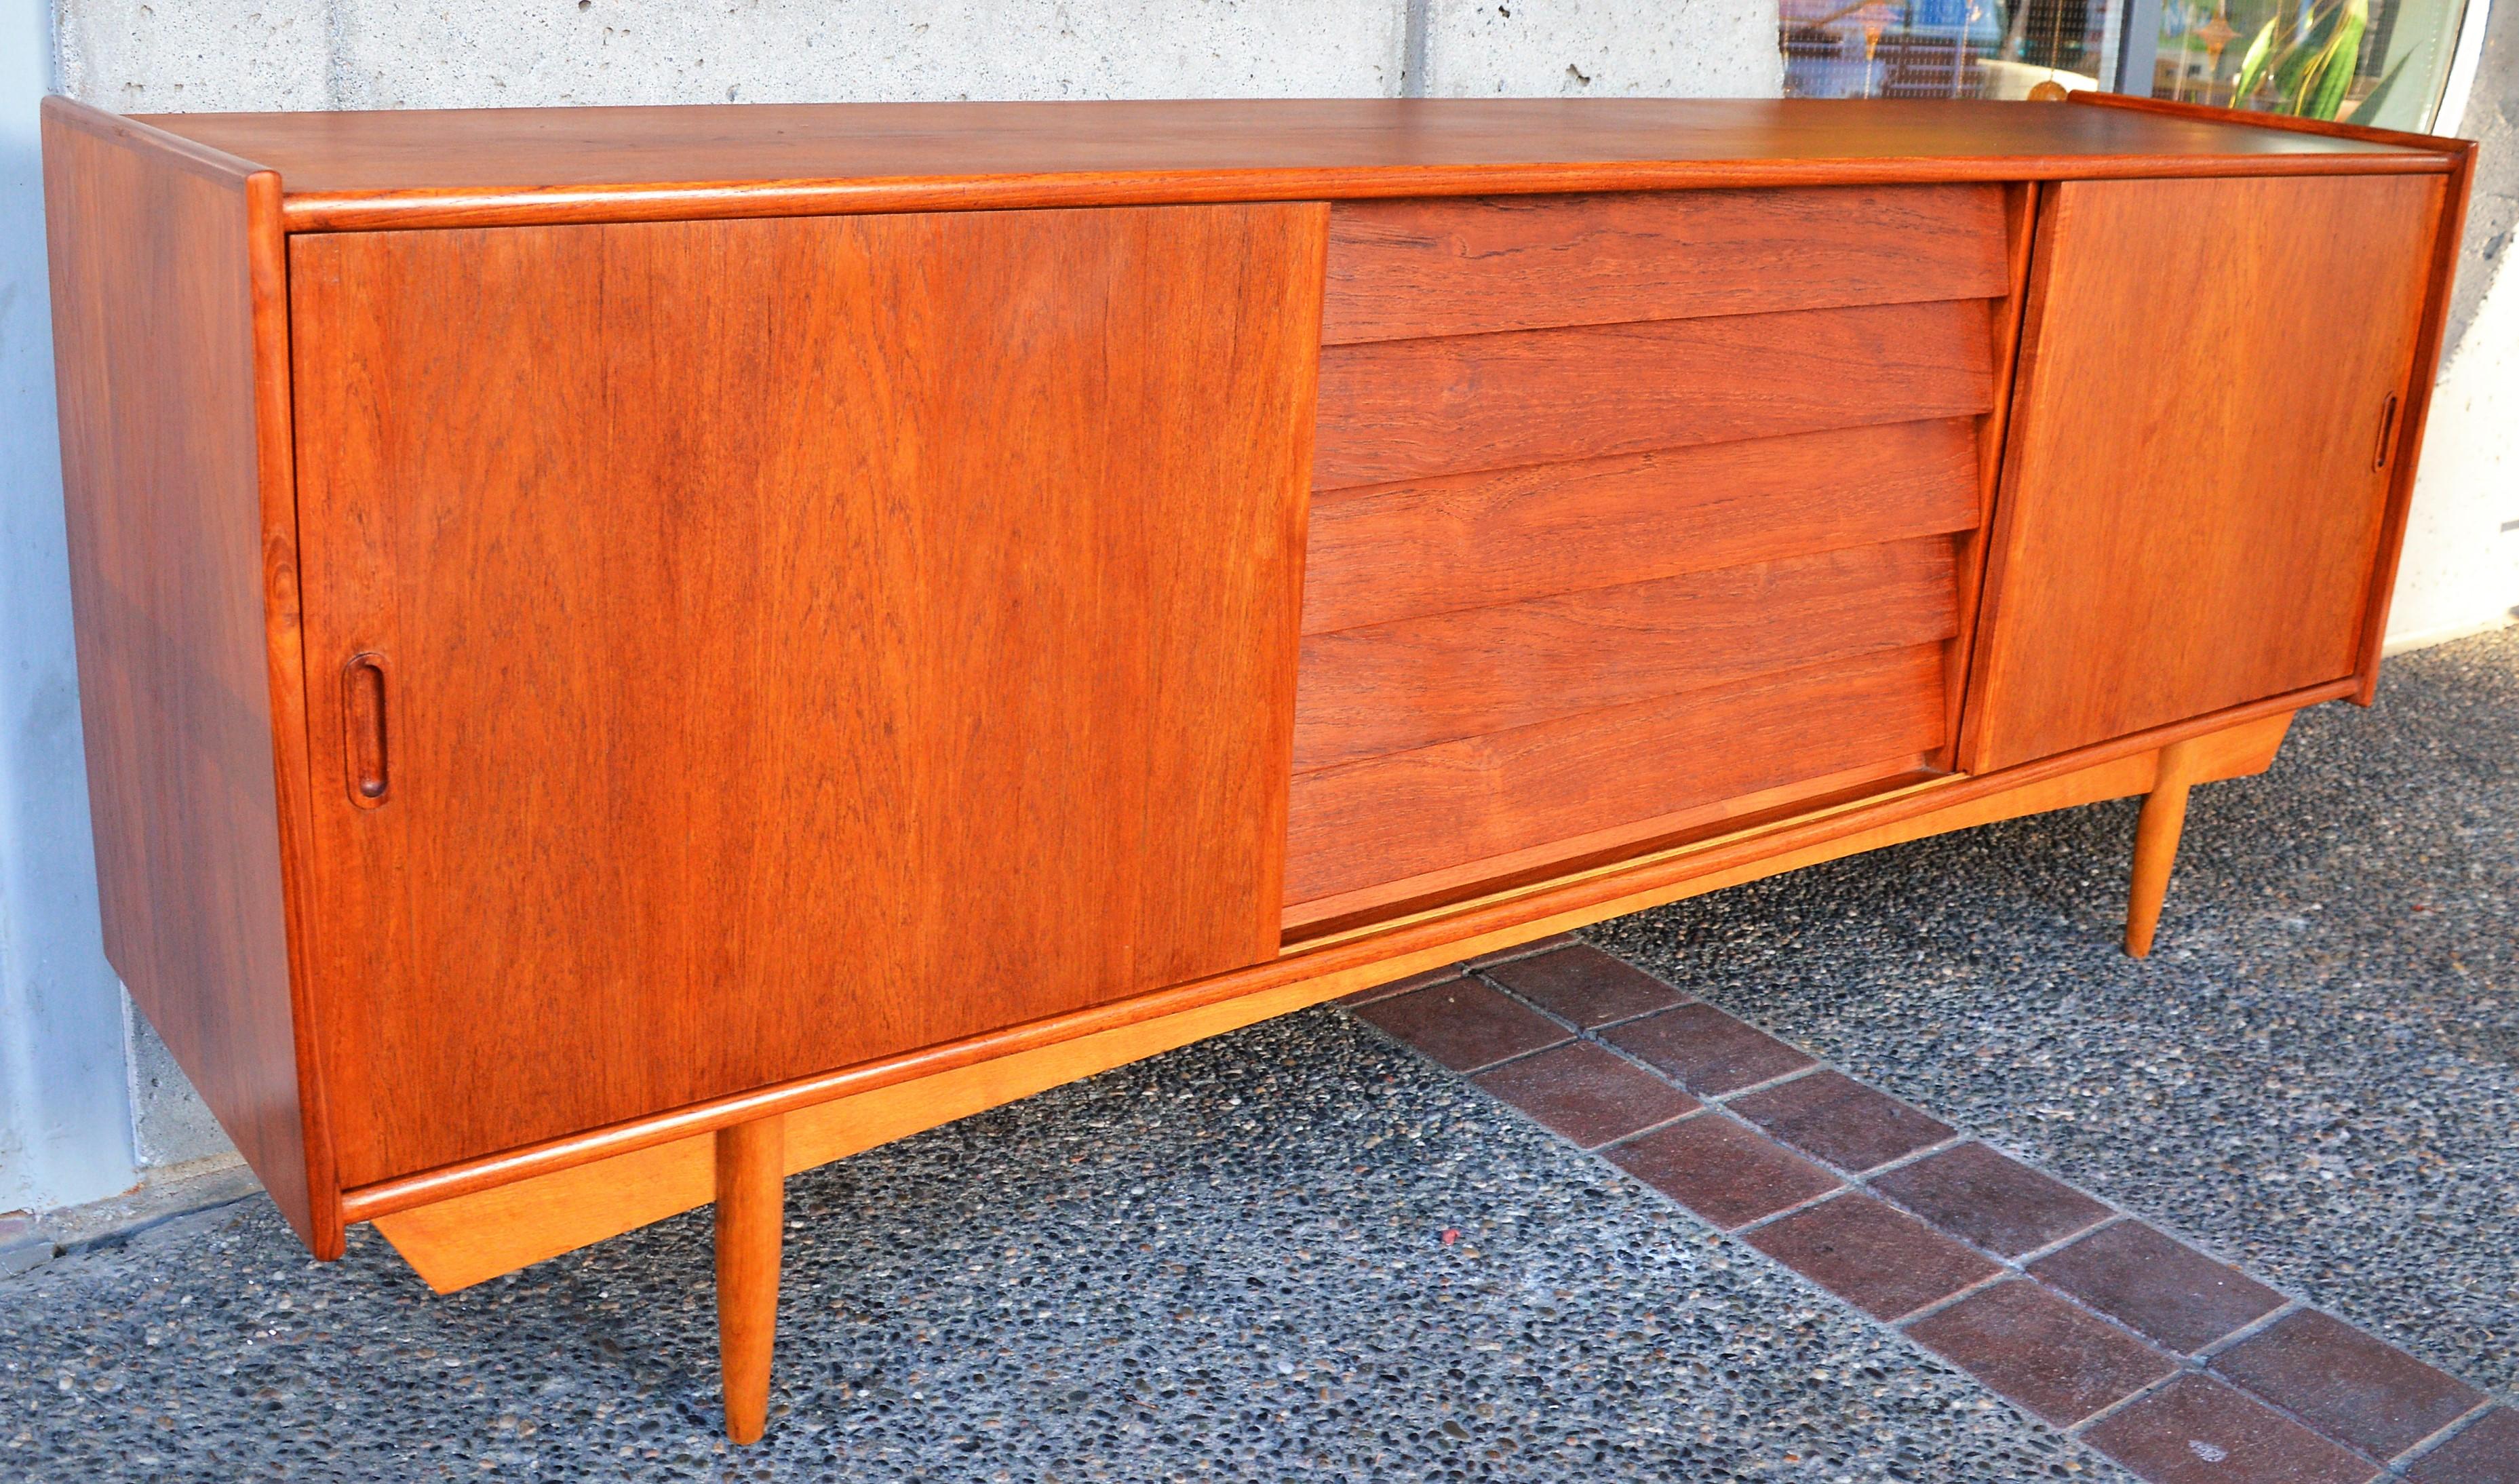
(1602, 49)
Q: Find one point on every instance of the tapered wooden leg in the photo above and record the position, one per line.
(2156, 843)
(751, 1221)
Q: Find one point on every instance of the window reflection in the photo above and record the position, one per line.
(2372, 62)
(1940, 48)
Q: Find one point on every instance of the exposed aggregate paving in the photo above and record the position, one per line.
(1229, 1263)
(2318, 1070)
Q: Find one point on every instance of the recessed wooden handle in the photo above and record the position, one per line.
(363, 729)
(2387, 427)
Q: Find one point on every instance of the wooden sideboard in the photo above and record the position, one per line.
(630, 652)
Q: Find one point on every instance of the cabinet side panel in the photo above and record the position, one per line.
(801, 642)
(2194, 487)
(2447, 241)
(154, 345)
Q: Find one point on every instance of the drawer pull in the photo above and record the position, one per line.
(363, 728)
(2387, 426)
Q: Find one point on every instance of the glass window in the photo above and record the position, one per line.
(2368, 62)
(2372, 62)
(1942, 48)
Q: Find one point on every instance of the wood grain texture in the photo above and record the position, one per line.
(2235, 750)
(1391, 688)
(1398, 410)
(1395, 816)
(1341, 964)
(2403, 459)
(480, 166)
(2020, 219)
(454, 1244)
(2235, 744)
(795, 698)
(2190, 512)
(751, 1229)
(163, 321)
(1388, 552)
(1488, 876)
(285, 649)
(2326, 128)
(2156, 843)
(1403, 269)
(466, 1239)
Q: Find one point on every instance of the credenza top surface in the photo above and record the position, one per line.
(353, 169)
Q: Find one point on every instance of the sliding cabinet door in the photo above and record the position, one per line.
(747, 648)
(2202, 445)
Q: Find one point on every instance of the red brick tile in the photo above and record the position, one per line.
(1585, 1093)
(1463, 1023)
(1873, 1255)
(1585, 985)
(1727, 1174)
(2050, 1357)
(1704, 1050)
(2001, 1205)
(2159, 1288)
(1519, 950)
(2354, 1387)
(1831, 1114)
(2196, 1430)
(1401, 986)
(2484, 1452)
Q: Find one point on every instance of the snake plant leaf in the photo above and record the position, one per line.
(2296, 66)
(2306, 59)
(2334, 75)
(2252, 65)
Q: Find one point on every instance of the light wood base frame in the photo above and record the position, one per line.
(751, 1228)
(2156, 843)
(481, 1234)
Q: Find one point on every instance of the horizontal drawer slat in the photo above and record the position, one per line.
(1383, 901)
(1470, 540)
(1405, 269)
(1390, 688)
(1397, 410)
(1389, 819)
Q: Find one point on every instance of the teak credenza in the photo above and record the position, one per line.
(630, 652)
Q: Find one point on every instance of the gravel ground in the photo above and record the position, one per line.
(1231, 1262)
(1228, 1263)
(2318, 1070)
